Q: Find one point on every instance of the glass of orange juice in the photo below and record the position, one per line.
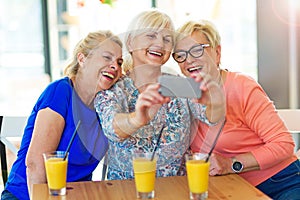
(56, 171)
(144, 174)
(197, 175)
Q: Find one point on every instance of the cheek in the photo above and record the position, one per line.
(168, 46)
(118, 75)
(167, 54)
(139, 45)
(182, 68)
(97, 73)
(120, 72)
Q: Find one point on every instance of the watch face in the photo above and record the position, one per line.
(237, 166)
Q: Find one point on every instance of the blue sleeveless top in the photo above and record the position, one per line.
(89, 145)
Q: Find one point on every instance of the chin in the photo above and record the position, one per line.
(187, 74)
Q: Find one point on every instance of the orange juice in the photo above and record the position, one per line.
(144, 172)
(56, 170)
(197, 173)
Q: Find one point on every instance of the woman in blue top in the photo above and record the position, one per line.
(96, 66)
(134, 110)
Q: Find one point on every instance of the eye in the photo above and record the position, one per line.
(120, 62)
(151, 36)
(196, 50)
(179, 55)
(167, 39)
(107, 57)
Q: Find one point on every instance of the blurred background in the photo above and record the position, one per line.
(37, 37)
(259, 38)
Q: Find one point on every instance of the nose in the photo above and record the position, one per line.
(113, 66)
(159, 41)
(189, 58)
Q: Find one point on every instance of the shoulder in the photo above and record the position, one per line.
(240, 80)
(63, 85)
(249, 90)
(123, 84)
(56, 96)
(116, 92)
(239, 76)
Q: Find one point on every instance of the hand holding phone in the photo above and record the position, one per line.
(176, 86)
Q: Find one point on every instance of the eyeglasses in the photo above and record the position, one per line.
(195, 51)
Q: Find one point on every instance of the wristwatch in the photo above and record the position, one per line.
(236, 166)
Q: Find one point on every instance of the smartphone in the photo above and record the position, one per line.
(176, 86)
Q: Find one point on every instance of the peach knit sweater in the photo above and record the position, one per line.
(252, 125)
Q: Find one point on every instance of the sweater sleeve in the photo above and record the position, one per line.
(261, 116)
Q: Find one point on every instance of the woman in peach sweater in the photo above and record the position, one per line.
(255, 143)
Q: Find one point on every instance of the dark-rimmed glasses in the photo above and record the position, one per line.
(195, 51)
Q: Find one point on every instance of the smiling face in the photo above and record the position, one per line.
(151, 47)
(102, 65)
(207, 63)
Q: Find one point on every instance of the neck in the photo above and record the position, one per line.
(222, 77)
(142, 76)
(86, 97)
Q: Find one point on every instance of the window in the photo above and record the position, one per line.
(22, 73)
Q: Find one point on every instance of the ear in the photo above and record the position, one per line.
(218, 52)
(81, 58)
(129, 44)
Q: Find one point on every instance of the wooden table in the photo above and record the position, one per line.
(169, 188)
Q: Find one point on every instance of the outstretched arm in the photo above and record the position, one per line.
(147, 105)
(213, 97)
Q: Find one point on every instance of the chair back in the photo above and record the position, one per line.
(291, 117)
(10, 127)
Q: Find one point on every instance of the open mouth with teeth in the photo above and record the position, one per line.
(108, 75)
(195, 69)
(156, 53)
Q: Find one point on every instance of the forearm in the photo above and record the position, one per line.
(125, 124)
(35, 175)
(221, 165)
(248, 160)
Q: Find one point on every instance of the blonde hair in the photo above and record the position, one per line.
(86, 46)
(204, 26)
(143, 22)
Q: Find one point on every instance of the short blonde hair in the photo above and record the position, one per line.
(86, 46)
(204, 26)
(144, 22)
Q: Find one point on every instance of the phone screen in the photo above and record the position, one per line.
(176, 86)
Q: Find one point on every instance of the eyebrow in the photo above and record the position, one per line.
(108, 52)
(157, 32)
(168, 35)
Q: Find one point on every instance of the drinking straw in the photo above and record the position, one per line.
(215, 142)
(159, 136)
(72, 138)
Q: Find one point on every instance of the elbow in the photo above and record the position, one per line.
(287, 149)
(34, 163)
(30, 164)
(291, 148)
(289, 145)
